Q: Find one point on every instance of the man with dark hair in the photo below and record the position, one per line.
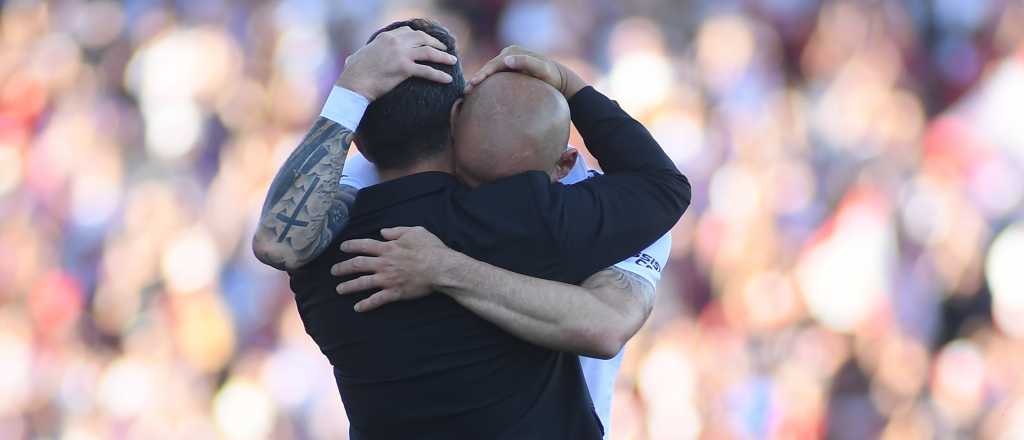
(305, 208)
(430, 368)
(411, 122)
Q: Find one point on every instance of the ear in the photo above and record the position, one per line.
(453, 116)
(565, 162)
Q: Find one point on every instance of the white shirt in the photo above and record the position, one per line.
(346, 108)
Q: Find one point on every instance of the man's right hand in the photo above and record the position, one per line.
(516, 59)
(391, 58)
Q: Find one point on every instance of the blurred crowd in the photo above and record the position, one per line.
(852, 265)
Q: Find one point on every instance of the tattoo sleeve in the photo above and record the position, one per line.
(306, 207)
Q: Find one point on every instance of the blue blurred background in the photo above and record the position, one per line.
(852, 265)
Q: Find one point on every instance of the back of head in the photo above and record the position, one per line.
(509, 124)
(411, 122)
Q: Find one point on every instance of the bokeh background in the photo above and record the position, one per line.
(852, 265)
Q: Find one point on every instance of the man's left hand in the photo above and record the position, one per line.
(403, 267)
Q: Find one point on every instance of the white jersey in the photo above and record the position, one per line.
(347, 108)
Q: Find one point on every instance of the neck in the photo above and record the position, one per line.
(441, 162)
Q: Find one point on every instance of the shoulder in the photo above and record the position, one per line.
(518, 204)
(524, 186)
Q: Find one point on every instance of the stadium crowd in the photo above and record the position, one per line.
(852, 265)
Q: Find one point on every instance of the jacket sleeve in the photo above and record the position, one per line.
(605, 219)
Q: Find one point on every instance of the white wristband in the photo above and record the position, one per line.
(345, 107)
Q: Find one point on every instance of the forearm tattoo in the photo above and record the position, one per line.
(306, 206)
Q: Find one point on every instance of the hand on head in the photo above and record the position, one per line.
(517, 59)
(516, 119)
(404, 69)
(392, 57)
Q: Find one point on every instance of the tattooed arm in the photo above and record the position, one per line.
(306, 207)
(593, 319)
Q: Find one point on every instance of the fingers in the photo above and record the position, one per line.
(413, 38)
(364, 246)
(394, 233)
(356, 265)
(429, 73)
(529, 65)
(420, 38)
(523, 63)
(430, 54)
(376, 300)
(363, 283)
(495, 65)
(426, 48)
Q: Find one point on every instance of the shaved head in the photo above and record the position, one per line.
(509, 124)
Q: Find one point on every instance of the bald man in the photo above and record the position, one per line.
(509, 124)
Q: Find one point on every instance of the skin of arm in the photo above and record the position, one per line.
(593, 319)
(305, 206)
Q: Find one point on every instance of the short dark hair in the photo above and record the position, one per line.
(411, 122)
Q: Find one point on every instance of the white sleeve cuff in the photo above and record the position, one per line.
(345, 107)
(649, 262)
